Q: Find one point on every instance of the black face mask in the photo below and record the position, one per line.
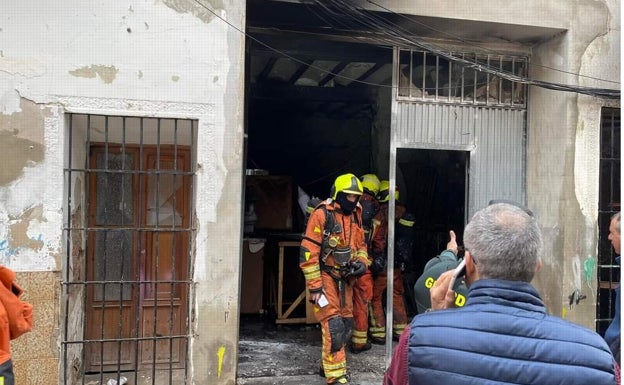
(346, 206)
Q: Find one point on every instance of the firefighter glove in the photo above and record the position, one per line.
(379, 263)
(354, 269)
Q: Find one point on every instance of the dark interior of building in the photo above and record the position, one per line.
(313, 95)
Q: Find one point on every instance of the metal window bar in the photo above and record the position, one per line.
(137, 342)
(609, 203)
(68, 240)
(85, 236)
(77, 228)
(475, 82)
(157, 256)
(173, 254)
(105, 266)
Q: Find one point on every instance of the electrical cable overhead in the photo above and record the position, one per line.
(486, 49)
(394, 35)
(403, 38)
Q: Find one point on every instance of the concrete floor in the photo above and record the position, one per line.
(290, 354)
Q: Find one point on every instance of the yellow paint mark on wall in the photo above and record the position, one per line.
(220, 354)
(106, 73)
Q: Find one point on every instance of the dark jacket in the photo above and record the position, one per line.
(501, 336)
(612, 335)
(447, 260)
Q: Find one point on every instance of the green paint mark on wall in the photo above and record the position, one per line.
(589, 266)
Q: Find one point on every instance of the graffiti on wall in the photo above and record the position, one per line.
(583, 273)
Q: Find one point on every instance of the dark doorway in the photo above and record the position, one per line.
(432, 185)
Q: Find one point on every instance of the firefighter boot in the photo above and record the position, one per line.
(359, 348)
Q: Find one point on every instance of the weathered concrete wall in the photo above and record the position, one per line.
(563, 154)
(532, 13)
(169, 58)
(563, 127)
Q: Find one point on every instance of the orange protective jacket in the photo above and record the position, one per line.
(16, 316)
(379, 240)
(351, 235)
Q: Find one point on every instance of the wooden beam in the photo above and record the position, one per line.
(352, 94)
(267, 69)
(318, 49)
(334, 71)
(370, 71)
(300, 71)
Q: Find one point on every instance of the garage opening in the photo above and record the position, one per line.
(319, 103)
(316, 106)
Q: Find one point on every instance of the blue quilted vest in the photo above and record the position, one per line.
(504, 336)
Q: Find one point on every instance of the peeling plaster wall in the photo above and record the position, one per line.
(169, 58)
(563, 155)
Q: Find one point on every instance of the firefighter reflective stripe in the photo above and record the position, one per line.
(311, 272)
(362, 255)
(359, 337)
(397, 329)
(2, 380)
(335, 370)
(334, 364)
(378, 331)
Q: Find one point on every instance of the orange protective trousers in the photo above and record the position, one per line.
(362, 296)
(341, 306)
(399, 316)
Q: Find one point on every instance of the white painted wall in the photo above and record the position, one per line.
(563, 153)
(168, 58)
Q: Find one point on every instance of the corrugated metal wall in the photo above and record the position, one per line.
(495, 138)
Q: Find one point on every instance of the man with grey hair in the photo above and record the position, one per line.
(503, 334)
(612, 335)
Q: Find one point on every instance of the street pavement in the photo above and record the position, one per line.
(272, 354)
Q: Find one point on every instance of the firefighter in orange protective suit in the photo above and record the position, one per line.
(332, 255)
(379, 242)
(16, 318)
(363, 287)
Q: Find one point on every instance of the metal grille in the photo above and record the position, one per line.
(609, 204)
(127, 265)
(431, 78)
